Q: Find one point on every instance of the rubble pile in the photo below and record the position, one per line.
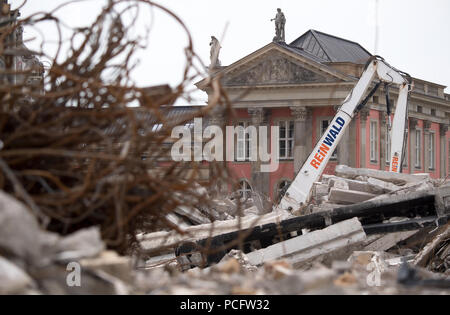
(344, 254)
(220, 208)
(352, 185)
(353, 209)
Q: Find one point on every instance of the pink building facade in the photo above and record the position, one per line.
(299, 86)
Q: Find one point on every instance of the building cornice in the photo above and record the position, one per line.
(262, 52)
(290, 86)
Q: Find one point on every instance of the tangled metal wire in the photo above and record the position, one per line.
(73, 148)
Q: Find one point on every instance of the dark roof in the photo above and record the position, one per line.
(301, 52)
(329, 48)
(176, 115)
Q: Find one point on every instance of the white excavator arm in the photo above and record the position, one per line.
(299, 191)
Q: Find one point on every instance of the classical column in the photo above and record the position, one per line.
(216, 118)
(363, 114)
(301, 115)
(384, 155)
(412, 144)
(443, 128)
(426, 144)
(260, 180)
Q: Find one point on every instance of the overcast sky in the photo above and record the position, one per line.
(412, 34)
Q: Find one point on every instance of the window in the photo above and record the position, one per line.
(286, 139)
(419, 87)
(419, 109)
(432, 90)
(376, 100)
(243, 142)
(324, 123)
(373, 141)
(433, 112)
(417, 149)
(245, 190)
(405, 156)
(431, 151)
(388, 145)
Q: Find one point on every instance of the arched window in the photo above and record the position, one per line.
(245, 190)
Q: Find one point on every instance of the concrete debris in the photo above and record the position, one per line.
(339, 184)
(13, 280)
(358, 239)
(111, 263)
(356, 185)
(192, 214)
(218, 209)
(352, 185)
(303, 248)
(348, 197)
(382, 186)
(176, 220)
(396, 178)
(21, 237)
(435, 255)
(320, 190)
(345, 280)
(34, 261)
(171, 239)
(389, 240)
(278, 269)
(81, 244)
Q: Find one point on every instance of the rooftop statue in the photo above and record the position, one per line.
(280, 21)
(214, 53)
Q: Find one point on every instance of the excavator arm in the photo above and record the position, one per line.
(299, 191)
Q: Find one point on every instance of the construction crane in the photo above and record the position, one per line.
(298, 193)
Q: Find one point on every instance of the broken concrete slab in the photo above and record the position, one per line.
(306, 247)
(382, 186)
(325, 179)
(110, 262)
(408, 189)
(339, 184)
(20, 235)
(363, 258)
(192, 214)
(354, 185)
(341, 196)
(388, 241)
(176, 220)
(252, 211)
(151, 241)
(224, 206)
(320, 190)
(442, 200)
(81, 244)
(396, 178)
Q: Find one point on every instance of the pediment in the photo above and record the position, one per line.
(275, 68)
